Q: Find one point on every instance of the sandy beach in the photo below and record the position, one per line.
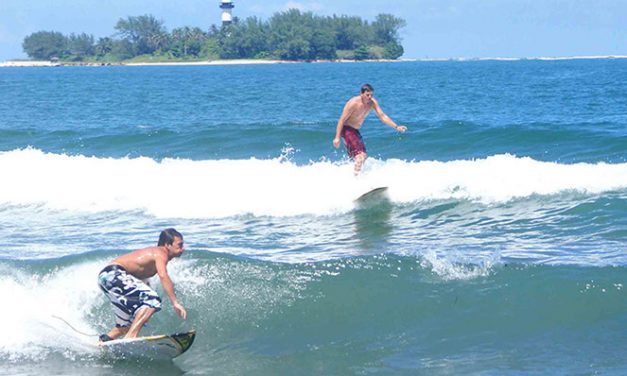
(39, 63)
(27, 63)
(215, 62)
(36, 63)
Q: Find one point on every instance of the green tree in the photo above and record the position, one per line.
(103, 47)
(351, 32)
(323, 44)
(80, 46)
(210, 49)
(362, 53)
(386, 28)
(197, 40)
(245, 39)
(393, 51)
(45, 45)
(122, 49)
(292, 34)
(160, 42)
(295, 49)
(145, 33)
(186, 41)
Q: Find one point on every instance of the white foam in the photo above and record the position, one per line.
(179, 188)
(457, 267)
(33, 305)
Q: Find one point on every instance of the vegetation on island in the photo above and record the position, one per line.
(289, 35)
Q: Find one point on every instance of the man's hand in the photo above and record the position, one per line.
(180, 310)
(336, 142)
(401, 128)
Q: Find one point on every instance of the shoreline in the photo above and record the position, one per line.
(210, 62)
(43, 63)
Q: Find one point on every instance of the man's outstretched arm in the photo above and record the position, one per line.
(386, 119)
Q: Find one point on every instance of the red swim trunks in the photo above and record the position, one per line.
(353, 141)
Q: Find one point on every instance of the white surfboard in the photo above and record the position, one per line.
(372, 195)
(157, 347)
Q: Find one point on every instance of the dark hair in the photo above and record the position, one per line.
(366, 87)
(167, 236)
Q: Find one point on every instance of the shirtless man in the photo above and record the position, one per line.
(352, 118)
(124, 281)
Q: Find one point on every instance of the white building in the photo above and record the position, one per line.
(227, 17)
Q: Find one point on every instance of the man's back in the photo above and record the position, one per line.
(141, 263)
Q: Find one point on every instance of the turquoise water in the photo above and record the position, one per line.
(500, 248)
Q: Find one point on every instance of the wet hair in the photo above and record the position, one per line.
(366, 87)
(167, 236)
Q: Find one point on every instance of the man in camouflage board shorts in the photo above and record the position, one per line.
(124, 283)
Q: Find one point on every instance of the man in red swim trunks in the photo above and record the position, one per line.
(352, 118)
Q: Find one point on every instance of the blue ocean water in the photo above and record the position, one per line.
(500, 248)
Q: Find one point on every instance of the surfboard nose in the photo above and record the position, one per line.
(185, 340)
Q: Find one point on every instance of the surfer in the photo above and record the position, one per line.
(124, 281)
(355, 112)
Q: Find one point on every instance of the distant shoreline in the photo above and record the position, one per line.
(38, 63)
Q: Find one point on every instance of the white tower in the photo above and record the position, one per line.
(226, 6)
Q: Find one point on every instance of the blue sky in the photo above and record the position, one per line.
(435, 28)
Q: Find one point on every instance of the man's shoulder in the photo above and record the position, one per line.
(354, 103)
(158, 251)
(354, 100)
(147, 249)
(149, 253)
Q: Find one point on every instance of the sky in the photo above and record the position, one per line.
(436, 29)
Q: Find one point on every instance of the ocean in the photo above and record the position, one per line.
(500, 249)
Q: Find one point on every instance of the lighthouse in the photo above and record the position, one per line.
(226, 6)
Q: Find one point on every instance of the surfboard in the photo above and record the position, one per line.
(372, 195)
(158, 347)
